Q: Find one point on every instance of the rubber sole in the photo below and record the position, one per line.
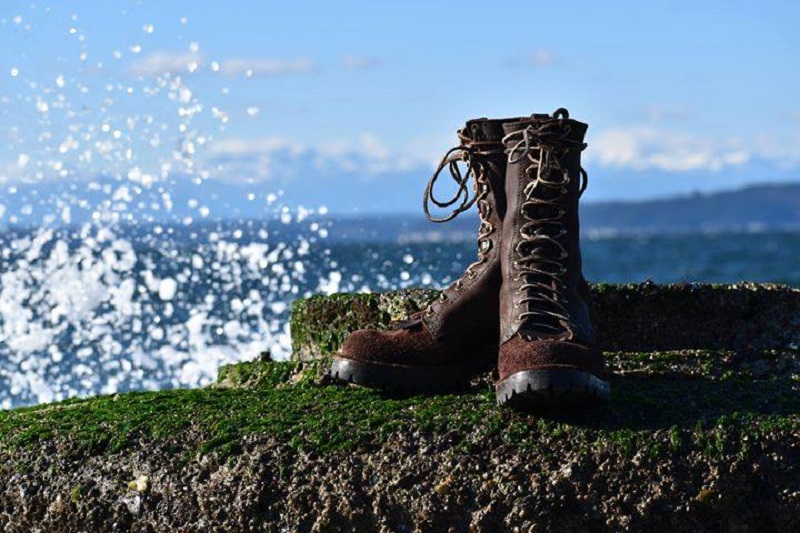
(552, 388)
(410, 379)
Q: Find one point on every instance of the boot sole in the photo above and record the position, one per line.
(409, 379)
(552, 388)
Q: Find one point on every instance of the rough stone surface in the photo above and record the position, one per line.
(741, 317)
(702, 434)
(414, 483)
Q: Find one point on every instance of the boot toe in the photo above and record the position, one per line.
(550, 374)
(518, 355)
(398, 347)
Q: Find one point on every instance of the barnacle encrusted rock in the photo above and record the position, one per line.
(702, 434)
(743, 316)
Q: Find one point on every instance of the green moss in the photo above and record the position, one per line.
(686, 362)
(653, 415)
(75, 494)
(341, 314)
(320, 324)
(268, 374)
(632, 317)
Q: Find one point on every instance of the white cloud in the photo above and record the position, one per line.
(644, 147)
(366, 154)
(543, 58)
(266, 67)
(539, 58)
(159, 63)
(248, 147)
(351, 62)
(661, 112)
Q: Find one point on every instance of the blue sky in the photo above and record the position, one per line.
(680, 96)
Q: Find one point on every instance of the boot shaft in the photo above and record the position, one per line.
(468, 302)
(543, 293)
(487, 142)
(481, 151)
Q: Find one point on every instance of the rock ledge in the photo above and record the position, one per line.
(703, 434)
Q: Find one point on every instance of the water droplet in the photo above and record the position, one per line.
(184, 95)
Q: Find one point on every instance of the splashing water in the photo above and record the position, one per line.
(114, 275)
(123, 266)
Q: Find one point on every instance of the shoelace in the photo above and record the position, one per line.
(474, 152)
(470, 151)
(540, 253)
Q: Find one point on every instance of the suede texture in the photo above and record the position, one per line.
(522, 346)
(416, 347)
(464, 323)
(519, 354)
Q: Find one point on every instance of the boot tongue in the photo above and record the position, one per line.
(544, 327)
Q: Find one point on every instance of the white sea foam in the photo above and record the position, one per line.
(112, 301)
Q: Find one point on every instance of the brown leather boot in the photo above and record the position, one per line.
(548, 355)
(455, 338)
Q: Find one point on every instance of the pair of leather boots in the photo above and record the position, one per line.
(524, 305)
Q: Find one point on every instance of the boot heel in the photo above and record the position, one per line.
(551, 387)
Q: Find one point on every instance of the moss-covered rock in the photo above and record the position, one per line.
(688, 443)
(319, 324)
(695, 439)
(741, 317)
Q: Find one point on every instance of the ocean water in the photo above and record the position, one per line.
(99, 310)
(106, 306)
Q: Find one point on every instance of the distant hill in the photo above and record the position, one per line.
(762, 207)
(755, 207)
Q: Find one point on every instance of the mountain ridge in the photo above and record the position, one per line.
(771, 206)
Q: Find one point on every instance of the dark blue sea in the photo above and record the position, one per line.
(99, 310)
